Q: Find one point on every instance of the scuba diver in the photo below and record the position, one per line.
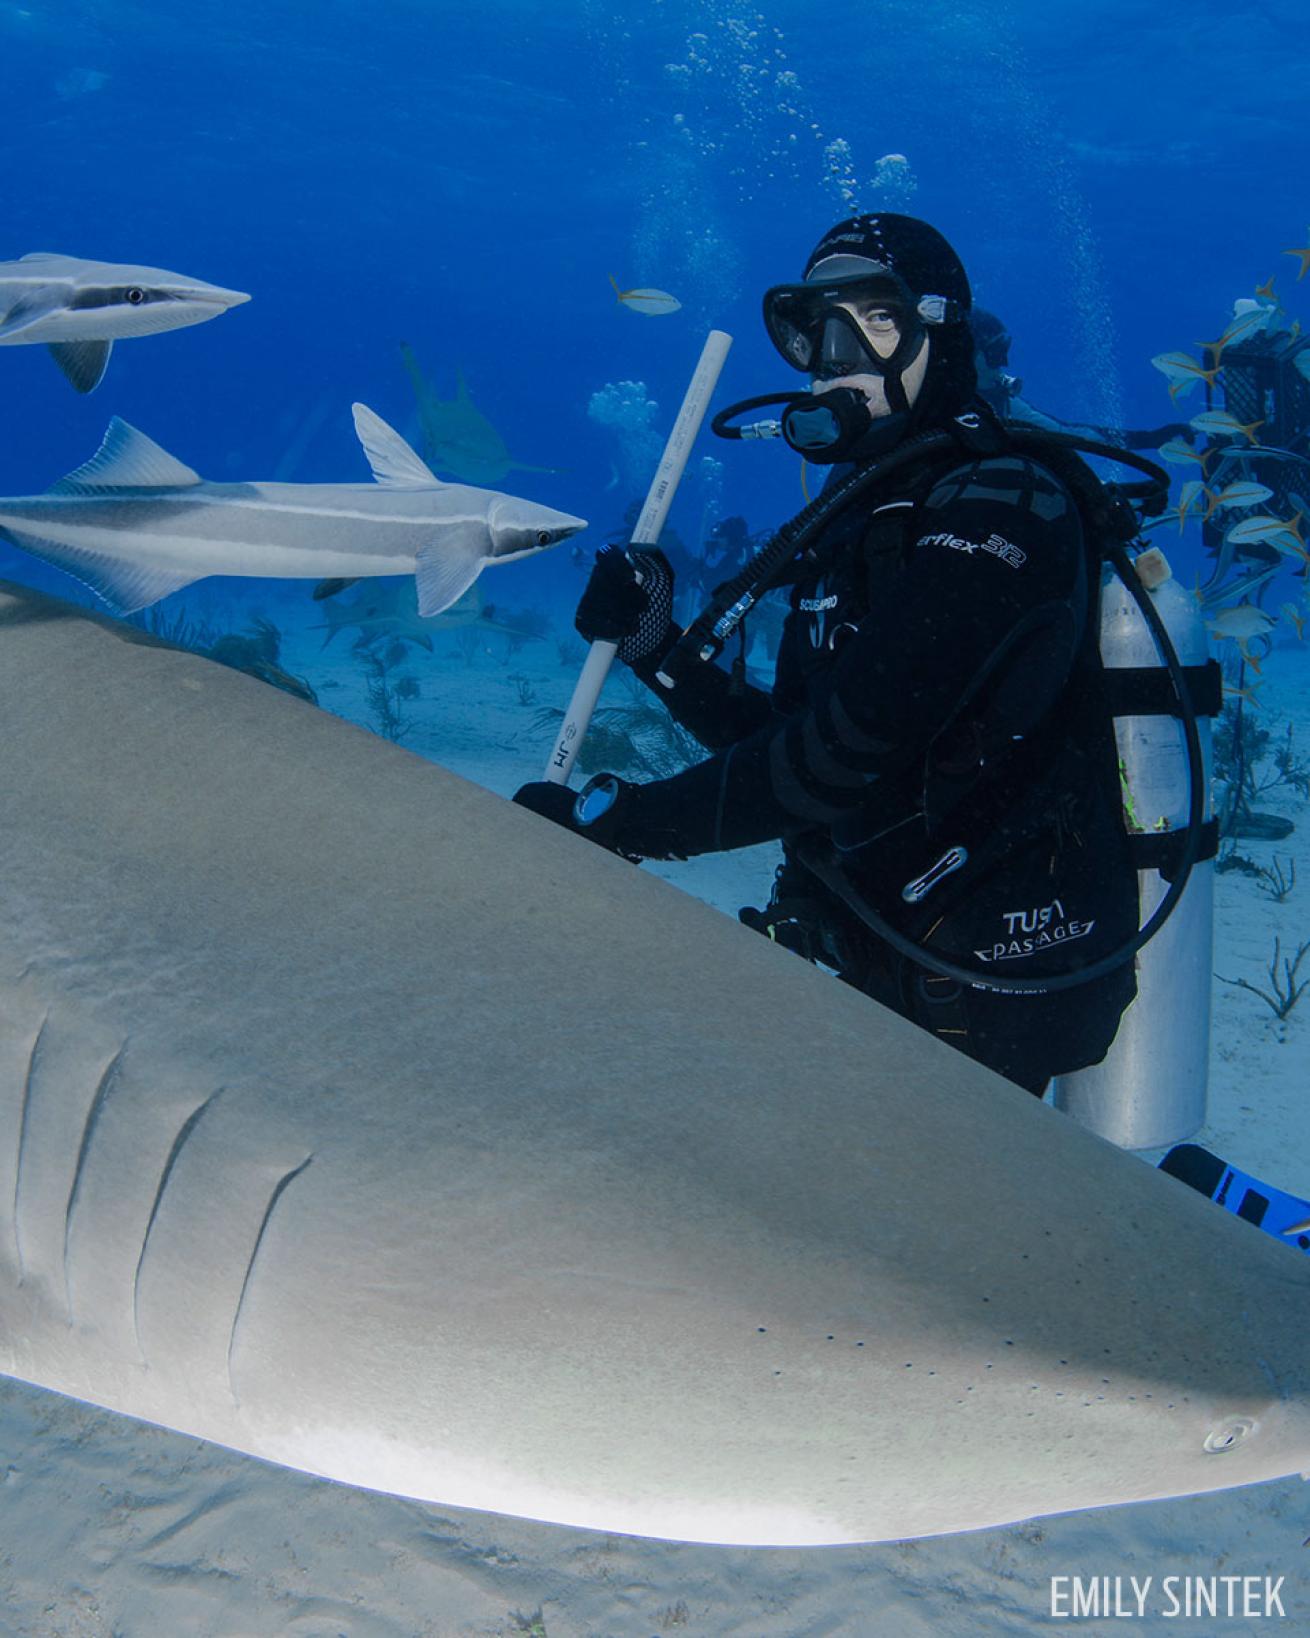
(1002, 391)
(937, 756)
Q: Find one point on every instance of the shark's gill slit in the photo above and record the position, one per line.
(103, 1088)
(273, 1199)
(29, 1081)
(188, 1126)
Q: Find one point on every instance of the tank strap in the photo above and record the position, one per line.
(1147, 691)
(1162, 850)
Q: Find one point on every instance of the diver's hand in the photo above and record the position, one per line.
(595, 812)
(628, 601)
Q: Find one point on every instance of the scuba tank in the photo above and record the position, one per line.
(1149, 1091)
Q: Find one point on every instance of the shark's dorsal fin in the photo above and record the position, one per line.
(43, 256)
(395, 465)
(127, 459)
(83, 362)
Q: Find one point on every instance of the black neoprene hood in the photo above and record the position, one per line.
(911, 249)
(927, 265)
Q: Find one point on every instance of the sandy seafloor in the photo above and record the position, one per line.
(115, 1529)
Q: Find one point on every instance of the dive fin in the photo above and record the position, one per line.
(83, 362)
(395, 465)
(126, 587)
(444, 572)
(126, 459)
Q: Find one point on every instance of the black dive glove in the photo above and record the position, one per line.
(596, 811)
(617, 608)
(630, 820)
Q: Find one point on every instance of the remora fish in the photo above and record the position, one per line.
(135, 524)
(80, 309)
(347, 1180)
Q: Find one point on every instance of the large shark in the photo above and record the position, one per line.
(135, 524)
(456, 436)
(352, 1117)
(79, 309)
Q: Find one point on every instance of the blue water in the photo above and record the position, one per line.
(466, 178)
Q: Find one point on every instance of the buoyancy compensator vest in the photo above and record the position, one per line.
(1162, 691)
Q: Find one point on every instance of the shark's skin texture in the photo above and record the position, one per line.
(80, 308)
(352, 1117)
(135, 524)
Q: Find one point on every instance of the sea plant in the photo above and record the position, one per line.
(383, 697)
(1285, 986)
(1277, 880)
(177, 626)
(571, 653)
(256, 651)
(1251, 763)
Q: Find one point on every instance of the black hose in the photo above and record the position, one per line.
(832, 878)
(705, 636)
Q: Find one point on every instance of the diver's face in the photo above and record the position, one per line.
(866, 331)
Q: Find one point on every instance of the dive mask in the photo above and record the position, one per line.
(850, 324)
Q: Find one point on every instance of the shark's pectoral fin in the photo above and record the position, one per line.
(83, 362)
(124, 586)
(395, 465)
(444, 571)
(127, 459)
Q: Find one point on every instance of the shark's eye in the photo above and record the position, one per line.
(544, 537)
(135, 296)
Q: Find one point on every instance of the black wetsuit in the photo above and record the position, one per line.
(938, 687)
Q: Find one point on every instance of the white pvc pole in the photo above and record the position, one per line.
(663, 487)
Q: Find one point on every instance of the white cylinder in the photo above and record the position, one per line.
(659, 498)
(1149, 1091)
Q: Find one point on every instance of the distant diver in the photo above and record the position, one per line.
(1002, 392)
(937, 754)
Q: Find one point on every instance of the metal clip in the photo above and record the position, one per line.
(950, 861)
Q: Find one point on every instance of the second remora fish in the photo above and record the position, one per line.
(135, 524)
(79, 309)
